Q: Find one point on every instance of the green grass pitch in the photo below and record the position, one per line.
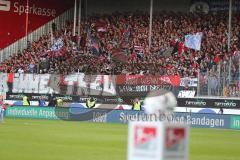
(22, 139)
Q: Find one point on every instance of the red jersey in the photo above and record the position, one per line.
(3, 106)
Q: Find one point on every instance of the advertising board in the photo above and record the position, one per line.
(37, 113)
(215, 103)
(235, 122)
(124, 116)
(209, 103)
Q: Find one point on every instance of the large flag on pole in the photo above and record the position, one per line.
(94, 43)
(194, 41)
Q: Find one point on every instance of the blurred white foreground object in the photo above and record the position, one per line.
(160, 101)
(158, 140)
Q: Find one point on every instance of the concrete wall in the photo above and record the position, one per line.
(109, 6)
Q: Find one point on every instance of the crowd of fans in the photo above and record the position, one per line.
(231, 91)
(118, 44)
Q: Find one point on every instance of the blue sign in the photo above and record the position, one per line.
(124, 116)
(197, 120)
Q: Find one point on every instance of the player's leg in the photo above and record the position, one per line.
(1, 119)
(1, 115)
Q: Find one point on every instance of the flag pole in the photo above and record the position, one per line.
(239, 69)
(26, 29)
(79, 17)
(75, 17)
(86, 8)
(229, 25)
(150, 25)
(229, 37)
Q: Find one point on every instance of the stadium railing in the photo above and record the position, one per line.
(223, 80)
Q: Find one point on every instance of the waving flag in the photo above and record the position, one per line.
(194, 41)
(58, 44)
(94, 43)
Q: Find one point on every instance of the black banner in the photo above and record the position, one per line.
(209, 103)
(31, 96)
(72, 98)
(141, 90)
(182, 102)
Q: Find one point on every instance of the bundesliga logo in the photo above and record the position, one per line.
(175, 139)
(145, 137)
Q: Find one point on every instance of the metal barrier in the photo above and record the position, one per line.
(222, 80)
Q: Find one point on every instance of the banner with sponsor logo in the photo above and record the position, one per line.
(123, 116)
(31, 96)
(70, 98)
(38, 112)
(28, 15)
(235, 122)
(209, 103)
(217, 103)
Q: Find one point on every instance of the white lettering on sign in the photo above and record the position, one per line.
(25, 83)
(46, 83)
(5, 5)
(33, 9)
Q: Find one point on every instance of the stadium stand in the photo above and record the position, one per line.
(118, 44)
